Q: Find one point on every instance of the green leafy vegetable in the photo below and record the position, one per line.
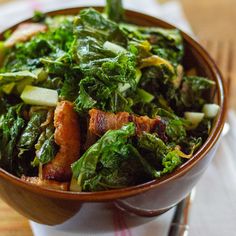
(38, 16)
(70, 88)
(163, 157)
(170, 162)
(10, 77)
(195, 91)
(32, 131)
(97, 60)
(114, 10)
(112, 162)
(175, 126)
(152, 148)
(55, 83)
(166, 43)
(2, 52)
(3, 106)
(11, 126)
(104, 69)
(46, 147)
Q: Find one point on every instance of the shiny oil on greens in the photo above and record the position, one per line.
(98, 60)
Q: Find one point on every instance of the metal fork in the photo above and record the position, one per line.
(179, 224)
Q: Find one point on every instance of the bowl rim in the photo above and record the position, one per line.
(182, 170)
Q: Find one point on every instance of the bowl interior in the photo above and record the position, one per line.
(195, 56)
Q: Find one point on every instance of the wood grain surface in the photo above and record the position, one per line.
(211, 20)
(12, 223)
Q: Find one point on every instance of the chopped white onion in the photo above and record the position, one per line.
(113, 47)
(194, 117)
(210, 110)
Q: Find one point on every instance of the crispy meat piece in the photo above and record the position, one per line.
(24, 32)
(67, 136)
(47, 183)
(101, 121)
(91, 138)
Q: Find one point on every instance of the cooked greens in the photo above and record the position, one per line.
(32, 130)
(103, 69)
(46, 147)
(132, 77)
(11, 126)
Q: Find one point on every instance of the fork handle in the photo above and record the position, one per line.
(178, 230)
(179, 225)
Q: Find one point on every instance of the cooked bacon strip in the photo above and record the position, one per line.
(67, 136)
(91, 138)
(47, 183)
(144, 123)
(24, 32)
(101, 121)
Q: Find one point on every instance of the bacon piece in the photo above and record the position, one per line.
(91, 138)
(67, 136)
(144, 123)
(24, 32)
(101, 121)
(47, 183)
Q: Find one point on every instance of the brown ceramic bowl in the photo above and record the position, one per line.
(150, 199)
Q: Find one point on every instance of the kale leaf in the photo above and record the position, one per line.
(166, 43)
(163, 157)
(32, 131)
(104, 70)
(170, 162)
(195, 92)
(53, 43)
(175, 126)
(112, 162)
(70, 88)
(46, 147)
(114, 10)
(11, 126)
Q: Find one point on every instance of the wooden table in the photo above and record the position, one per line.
(214, 21)
(211, 20)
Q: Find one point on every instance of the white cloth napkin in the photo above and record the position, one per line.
(214, 208)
